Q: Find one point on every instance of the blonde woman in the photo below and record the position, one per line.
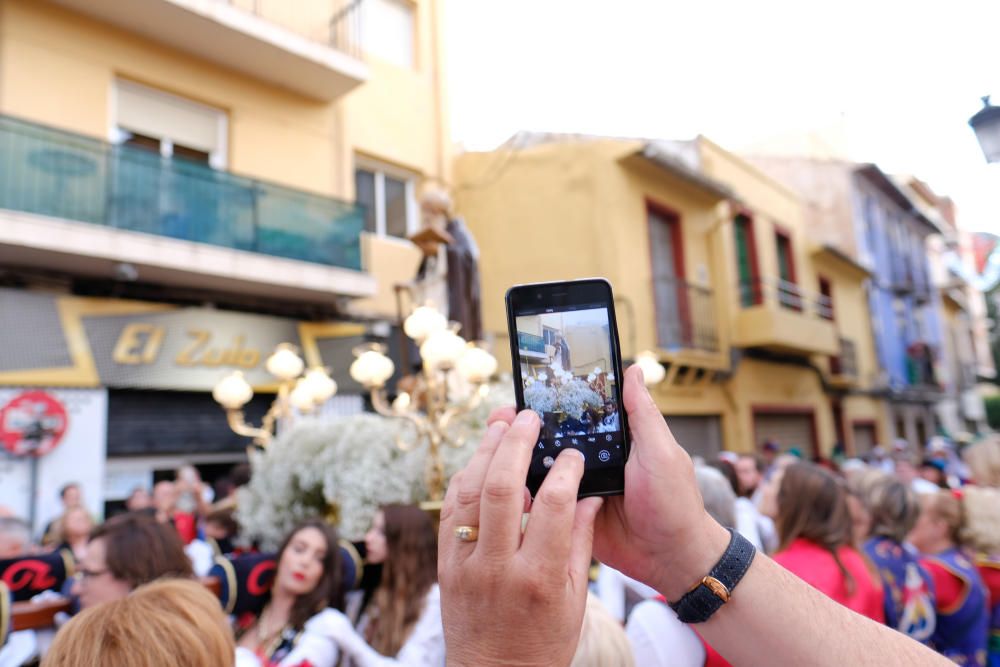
(170, 623)
(602, 639)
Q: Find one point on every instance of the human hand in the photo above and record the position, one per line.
(510, 598)
(658, 532)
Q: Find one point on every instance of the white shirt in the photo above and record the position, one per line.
(748, 522)
(659, 639)
(611, 589)
(423, 648)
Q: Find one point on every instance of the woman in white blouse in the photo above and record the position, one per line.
(402, 625)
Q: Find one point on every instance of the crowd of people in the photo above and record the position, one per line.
(912, 545)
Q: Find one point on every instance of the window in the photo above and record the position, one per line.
(387, 29)
(746, 261)
(389, 201)
(826, 299)
(173, 126)
(788, 291)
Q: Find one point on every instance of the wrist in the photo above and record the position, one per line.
(685, 565)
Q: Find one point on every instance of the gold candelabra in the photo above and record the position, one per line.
(304, 392)
(452, 382)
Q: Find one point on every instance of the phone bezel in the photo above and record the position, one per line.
(596, 481)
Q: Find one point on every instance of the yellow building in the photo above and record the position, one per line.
(711, 268)
(199, 162)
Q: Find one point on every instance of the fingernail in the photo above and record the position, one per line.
(526, 418)
(642, 376)
(577, 452)
(498, 428)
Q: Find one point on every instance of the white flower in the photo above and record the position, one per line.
(540, 398)
(575, 397)
(352, 464)
(597, 370)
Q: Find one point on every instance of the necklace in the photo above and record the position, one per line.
(263, 636)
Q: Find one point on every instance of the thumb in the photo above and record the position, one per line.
(644, 419)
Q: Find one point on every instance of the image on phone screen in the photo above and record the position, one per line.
(566, 362)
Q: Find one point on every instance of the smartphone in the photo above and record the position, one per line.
(567, 368)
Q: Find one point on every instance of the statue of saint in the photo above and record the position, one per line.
(448, 276)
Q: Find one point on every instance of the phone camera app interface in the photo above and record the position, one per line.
(567, 371)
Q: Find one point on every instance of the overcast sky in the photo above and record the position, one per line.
(901, 77)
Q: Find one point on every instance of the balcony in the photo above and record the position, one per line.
(920, 366)
(532, 347)
(685, 317)
(324, 64)
(844, 366)
(146, 209)
(778, 316)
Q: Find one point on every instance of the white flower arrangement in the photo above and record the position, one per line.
(540, 398)
(347, 467)
(576, 396)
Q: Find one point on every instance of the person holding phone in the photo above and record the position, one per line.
(513, 596)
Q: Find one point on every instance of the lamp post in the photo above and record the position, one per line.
(986, 124)
(437, 395)
(303, 392)
(653, 371)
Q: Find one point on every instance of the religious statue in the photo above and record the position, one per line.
(448, 276)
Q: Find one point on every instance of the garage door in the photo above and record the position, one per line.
(700, 435)
(864, 438)
(788, 429)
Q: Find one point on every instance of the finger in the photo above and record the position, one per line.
(645, 421)
(506, 413)
(503, 489)
(445, 546)
(527, 501)
(548, 538)
(468, 489)
(582, 540)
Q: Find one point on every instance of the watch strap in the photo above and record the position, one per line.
(714, 590)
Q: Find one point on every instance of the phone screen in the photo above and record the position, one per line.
(567, 368)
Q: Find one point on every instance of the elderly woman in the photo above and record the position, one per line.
(908, 587)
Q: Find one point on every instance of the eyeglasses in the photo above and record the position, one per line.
(84, 575)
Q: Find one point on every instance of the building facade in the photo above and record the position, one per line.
(884, 224)
(186, 185)
(712, 270)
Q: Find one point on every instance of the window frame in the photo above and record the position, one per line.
(217, 159)
(379, 171)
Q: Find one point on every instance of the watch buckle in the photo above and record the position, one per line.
(718, 588)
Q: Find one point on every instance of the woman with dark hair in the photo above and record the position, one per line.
(814, 526)
(308, 579)
(125, 552)
(402, 625)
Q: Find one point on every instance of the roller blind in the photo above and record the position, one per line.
(164, 116)
(788, 430)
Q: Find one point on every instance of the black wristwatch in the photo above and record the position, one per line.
(714, 590)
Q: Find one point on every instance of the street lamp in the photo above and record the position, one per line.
(304, 393)
(653, 371)
(986, 124)
(436, 397)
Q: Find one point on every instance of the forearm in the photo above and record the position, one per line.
(774, 613)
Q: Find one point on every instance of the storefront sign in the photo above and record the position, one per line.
(81, 342)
